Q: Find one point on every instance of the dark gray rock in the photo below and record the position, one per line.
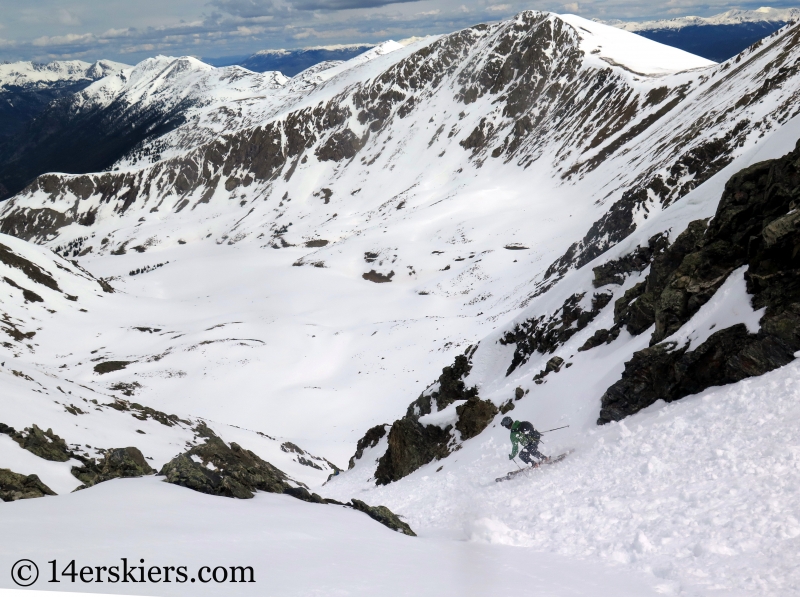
(370, 440)
(755, 225)
(411, 445)
(117, 463)
(474, 416)
(14, 486)
(231, 471)
(615, 271)
(384, 516)
(545, 334)
(45, 444)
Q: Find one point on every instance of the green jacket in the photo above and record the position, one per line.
(523, 433)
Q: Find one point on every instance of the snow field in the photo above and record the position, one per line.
(701, 494)
(296, 549)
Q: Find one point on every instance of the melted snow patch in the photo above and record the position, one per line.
(729, 306)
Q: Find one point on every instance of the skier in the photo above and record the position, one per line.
(522, 432)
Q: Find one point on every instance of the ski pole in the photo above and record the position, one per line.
(515, 462)
(556, 429)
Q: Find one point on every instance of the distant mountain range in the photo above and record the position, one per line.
(26, 88)
(291, 62)
(717, 38)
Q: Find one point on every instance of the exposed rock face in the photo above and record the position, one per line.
(544, 334)
(412, 444)
(45, 444)
(474, 416)
(109, 366)
(615, 271)
(370, 440)
(14, 486)
(756, 224)
(384, 516)
(117, 463)
(218, 469)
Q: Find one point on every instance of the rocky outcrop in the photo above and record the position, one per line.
(412, 444)
(757, 225)
(370, 440)
(544, 334)
(384, 516)
(44, 444)
(691, 168)
(14, 486)
(117, 463)
(218, 469)
(616, 270)
(474, 416)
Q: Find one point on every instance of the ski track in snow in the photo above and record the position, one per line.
(701, 493)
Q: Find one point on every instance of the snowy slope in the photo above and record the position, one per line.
(309, 216)
(44, 295)
(295, 549)
(700, 495)
(305, 260)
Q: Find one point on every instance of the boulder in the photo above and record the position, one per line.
(117, 463)
(411, 445)
(14, 486)
(474, 416)
(45, 444)
(231, 471)
(384, 516)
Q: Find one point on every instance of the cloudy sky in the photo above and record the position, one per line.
(130, 30)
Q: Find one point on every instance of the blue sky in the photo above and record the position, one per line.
(129, 31)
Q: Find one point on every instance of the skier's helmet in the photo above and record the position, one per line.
(507, 422)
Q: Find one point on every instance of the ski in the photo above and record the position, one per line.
(553, 460)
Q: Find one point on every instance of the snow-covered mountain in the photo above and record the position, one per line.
(764, 14)
(127, 117)
(717, 38)
(32, 74)
(26, 88)
(293, 62)
(545, 217)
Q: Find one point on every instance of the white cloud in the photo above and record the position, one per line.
(114, 33)
(64, 40)
(498, 7)
(139, 48)
(572, 7)
(248, 31)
